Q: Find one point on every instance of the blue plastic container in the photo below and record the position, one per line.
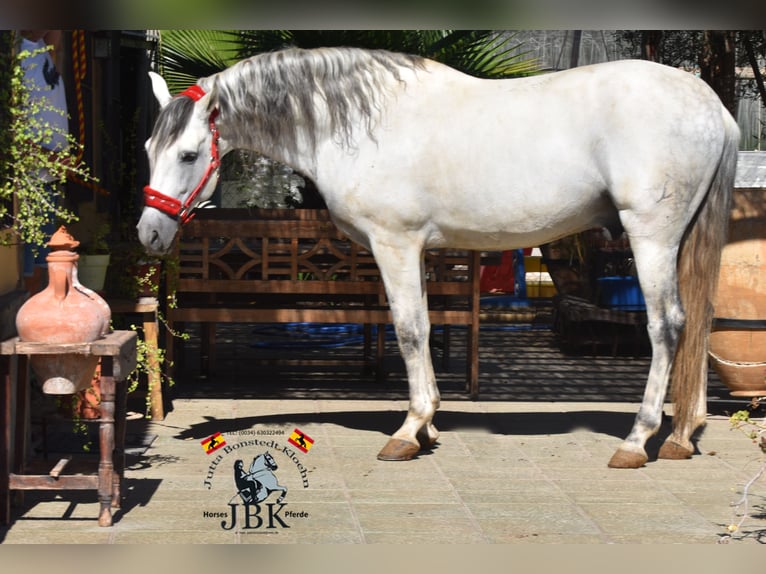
(623, 293)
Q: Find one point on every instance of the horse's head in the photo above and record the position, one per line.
(269, 461)
(184, 155)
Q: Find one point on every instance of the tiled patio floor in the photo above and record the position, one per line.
(524, 464)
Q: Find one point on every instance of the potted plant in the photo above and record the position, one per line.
(94, 258)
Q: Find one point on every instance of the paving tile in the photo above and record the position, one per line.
(413, 495)
(614, 491)
(537, 518)
(62, 535)
(664, 537)
(318, 536)
(517, 491)
(457, 536)
(501, 534)
(437, 529)
(634, 518)
(175, 537)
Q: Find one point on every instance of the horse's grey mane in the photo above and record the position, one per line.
(265, 98)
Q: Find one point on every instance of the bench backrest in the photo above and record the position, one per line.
(296, 251)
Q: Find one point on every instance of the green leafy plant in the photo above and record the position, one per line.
(26, 204)
(150, 360)
(147, 280)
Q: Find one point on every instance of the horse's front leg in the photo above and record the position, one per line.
(402, 269)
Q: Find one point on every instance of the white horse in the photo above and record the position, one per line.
(409, 154)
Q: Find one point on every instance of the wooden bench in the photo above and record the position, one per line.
(580, 322)
(294, 265)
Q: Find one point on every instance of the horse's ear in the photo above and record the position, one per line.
(205, 105)
(210, 100)
(160, 89)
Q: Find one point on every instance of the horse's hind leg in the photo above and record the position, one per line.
(693, 370)
(656, 263)
(401, 266)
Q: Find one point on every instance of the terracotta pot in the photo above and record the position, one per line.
(64, 312)
(85, 404)
(738, 348)
(88, 401)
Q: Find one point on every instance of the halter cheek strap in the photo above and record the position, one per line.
(170, 205)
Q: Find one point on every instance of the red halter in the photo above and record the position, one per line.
(170, 205)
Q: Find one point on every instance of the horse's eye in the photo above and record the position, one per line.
(188, 157)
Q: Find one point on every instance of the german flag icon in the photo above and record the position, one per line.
(213, 443)
(301, 440)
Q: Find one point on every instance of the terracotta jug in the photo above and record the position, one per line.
(738, 355)
(64, 312)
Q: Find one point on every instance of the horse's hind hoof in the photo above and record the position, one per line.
(674, 451)
(627, 459)
(398, 449)
(427, 437)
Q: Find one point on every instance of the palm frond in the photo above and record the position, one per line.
(191, 54)
(485, 54)
(253, 42)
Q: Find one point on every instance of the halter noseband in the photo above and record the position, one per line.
(170, 205)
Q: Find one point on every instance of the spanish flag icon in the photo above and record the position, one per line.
(213, 443)
(301, 440)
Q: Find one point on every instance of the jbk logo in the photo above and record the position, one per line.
(256, 516)
(254, 486)
(259, 499)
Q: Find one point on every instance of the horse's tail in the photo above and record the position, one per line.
(699, 262)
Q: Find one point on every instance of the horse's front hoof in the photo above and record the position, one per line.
(398, 449)
(627, 459)
(674, 451)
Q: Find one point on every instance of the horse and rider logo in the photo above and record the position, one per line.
(256, 484)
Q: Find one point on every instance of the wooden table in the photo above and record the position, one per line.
(118, 358)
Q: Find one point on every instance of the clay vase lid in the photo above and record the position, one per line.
(62, 240)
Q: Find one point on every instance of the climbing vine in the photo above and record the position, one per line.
(26, 204)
